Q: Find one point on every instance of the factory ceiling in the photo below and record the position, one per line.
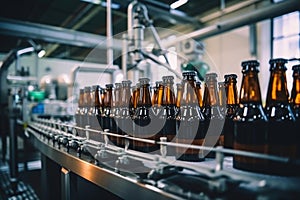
(88, 20)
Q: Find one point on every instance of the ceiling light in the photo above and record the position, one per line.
(178, 3)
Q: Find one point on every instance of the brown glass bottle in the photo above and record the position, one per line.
(142, 118)
(95, 110)
(231, 108)
(157, 99)
(250, 121)
(178, 98)
(79, 111)
(222, 97)
(101, 108)
(214, 118)
(86, 107)
(125, 122)
(190, 121)
(115, 113)
(281, 118)
(169, 112)
(199, 94)
(107, 106)
(295, 100)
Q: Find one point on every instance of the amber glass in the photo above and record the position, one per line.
(142, 119)
(295, 100)
(169, 112)
(231, 108)
(107, 106)
(178, 98)
(214, 119)
(199, 94)
(250, 121)
(86, 107)
(222, 97)
(94, 112)
(190, 121)
(125, 122)
(79, 111)
(115, 113)
(281, 118)
(157, 98)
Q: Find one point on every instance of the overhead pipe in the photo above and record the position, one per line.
(267, 12)
(54, 34)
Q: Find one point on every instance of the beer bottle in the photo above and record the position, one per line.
(125, 122)
(281, 119)
(79, 111)
(157, 98)
(190, 121)
(222, 97)
(142, 119)
(250, 121)
(199, 94)
(94, 112)
(101, 95)
(169, 111)
(295, 99)
(107, 106)
(214, 119)
(87, 105)
(231, 108)
(178, 98)
(115, 113)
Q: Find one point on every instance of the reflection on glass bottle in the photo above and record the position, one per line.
(142, 119)
(214, 119)
(95, 111)
(231, 108)
(295, 100)
(280, 118)
(250, 121)
(190, 121)
(125, 122)
(79, 112)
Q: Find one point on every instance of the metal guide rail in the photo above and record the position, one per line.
(156, 175)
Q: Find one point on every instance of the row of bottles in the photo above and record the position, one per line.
(271, 129)
(219, 118)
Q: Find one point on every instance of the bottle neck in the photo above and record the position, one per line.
(211, 94)
(277, 89)
(144, 96)
(169, 97)
(188, 93)
(231, 96)
(160, 94)
(199, 96)
(222, 96)
(178, 96)
(108, 98)
(295, 94)
(250, 88)
(126, 97)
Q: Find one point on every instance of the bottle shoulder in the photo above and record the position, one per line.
(250, 112)
(280, 112)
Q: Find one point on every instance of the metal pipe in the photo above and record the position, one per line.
(54, 34)
(109, 33)
(124, 55)
(267, 12)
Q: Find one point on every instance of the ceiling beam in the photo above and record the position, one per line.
(54, 34)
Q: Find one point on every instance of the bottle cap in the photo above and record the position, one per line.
(108, 86)
(168, 79)
(296, 67)
(144, 81)
(95, 87)
(278, 60)
(250, 65)
(81, 90)
(126, 83)
(189, 73)
(118, 85)
(229, 77)
(87, 89)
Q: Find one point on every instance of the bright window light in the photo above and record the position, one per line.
(178, 3)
